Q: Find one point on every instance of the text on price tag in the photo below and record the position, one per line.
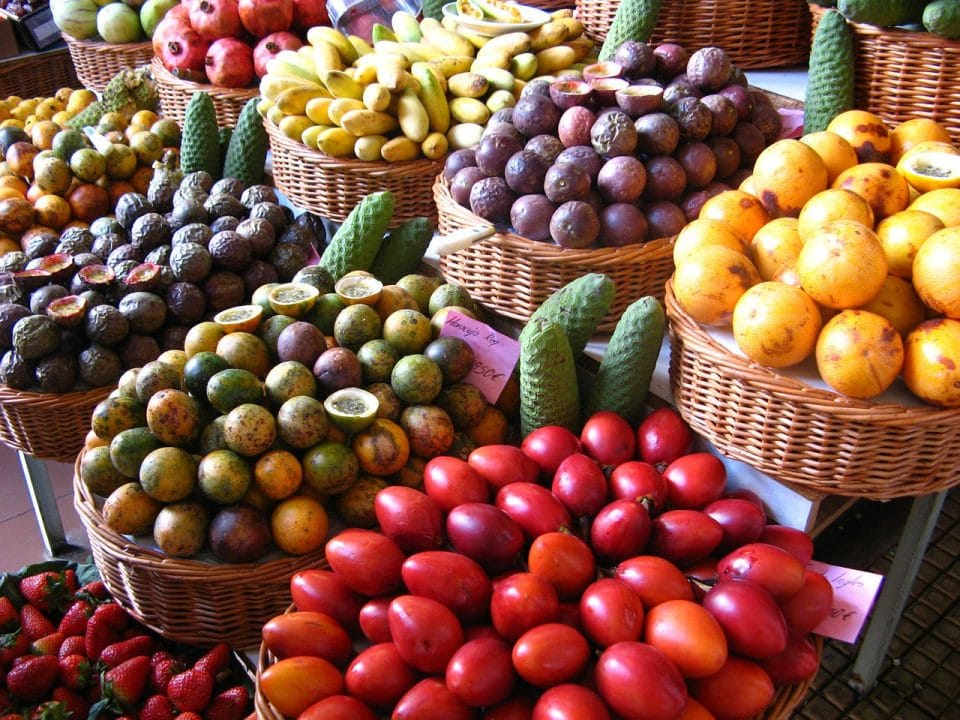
(854, 592)
(494, 354)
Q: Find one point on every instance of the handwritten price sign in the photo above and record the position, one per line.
(495, 355)
(854, 592)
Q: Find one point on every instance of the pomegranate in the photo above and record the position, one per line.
(184, 50)
(269, 46)
(229, 63)
(215, 19)
(308, 13)
(165, 29)
(262, 17)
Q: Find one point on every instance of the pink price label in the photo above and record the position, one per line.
(854, 592)
(494, 355)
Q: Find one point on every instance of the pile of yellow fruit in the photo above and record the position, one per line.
(843, 246)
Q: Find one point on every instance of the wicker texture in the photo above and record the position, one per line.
(97, 62)
(805, 435)
(902, 74)
(37, 75)
(188, 601)
(331, 187)
(755, 33)
(175, 95)
(512, 275)
(48, 426)
(551, 5)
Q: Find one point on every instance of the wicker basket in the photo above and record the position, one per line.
(512, 276)
(804, 435)
(49, 426)
(38, 74)
(755, 33)
(902, 74)
(97, 62)
(188, 601)
(331, 187)
(175, 95)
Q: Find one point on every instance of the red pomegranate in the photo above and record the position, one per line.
(215, 19)
(167, 27)
(184, 50)
(269, 46)
(262, 17)
(229, 63)
(308, 13)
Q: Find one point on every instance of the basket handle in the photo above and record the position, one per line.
(460, 239)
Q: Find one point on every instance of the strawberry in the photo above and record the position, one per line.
(6, 704)
(105, 626)
(188, 716)
(77, 705)
(190, 690)
(49, 710)
(34, 624)
(163, 666)
(117, 652)
(157, 707)
(11, 716)
(48, 644)
(231, 704)
(74, 620)
(76, 672)
(12, 646)
(73, 645)
(30, 680)
(8, 615)
(50, 591)
(124, 684)
(94, 591)
(215, 660)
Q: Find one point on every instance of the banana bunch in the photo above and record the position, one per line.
(421, 89)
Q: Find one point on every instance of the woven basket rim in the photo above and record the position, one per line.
(10, 396)
(102, 46)
(922, 40)
(164, 76)
(881, 413)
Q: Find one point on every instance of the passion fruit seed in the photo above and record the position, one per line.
(360, 289)
(294, 299)
(351, 409)
(242, 318)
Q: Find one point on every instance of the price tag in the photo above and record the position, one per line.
(854, 592)
(495, 355)
(792, 122)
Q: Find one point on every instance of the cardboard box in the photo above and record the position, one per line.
(35, 30)
(8, 39)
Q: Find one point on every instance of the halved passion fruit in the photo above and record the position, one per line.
(351, 409)
(59, 265)
(241, 318)
(359, 289)
(30, 279)
(97, 276)
(930, 170)
(293, 299)
(145, 276)
(68, 311)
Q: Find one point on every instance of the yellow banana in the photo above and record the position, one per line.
(376, 97)
(367, 148)
(317, 110)
(433, 97)
(293, 126)
(293, 101)
(272, 85)
(348, 53)
(340, 107)
(335, 142)
(367, 122)
(342, 85)
(405, 27)
(414, 121)
(309, 136)
(442, 39)
(291, 64)
(400, 149)
(453, 64)
(360, 45)
(326, 56)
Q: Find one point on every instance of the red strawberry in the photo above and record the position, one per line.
(231, 704)
(188, 716)
(190, 690)
(104, 628)
(94, 591)
(48, 644)
(8, 615)
(77, 705)
(11, 716)
(12, 646)
(215, 660)
(157, 707)
(74, 620)
(30, 680)
(50, 591)
(76, 672)
(73, 645)
(34, 624)
(50, 710)
(163, 666)
(124, 685)
(6, 704)
(117, 652)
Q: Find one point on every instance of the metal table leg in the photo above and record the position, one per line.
(44, 503)
(895, 592)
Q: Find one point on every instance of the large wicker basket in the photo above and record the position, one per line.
(188, 601)
(902, 74)
(97, 62)
(175, 95)
(48, 426)
(511, 275)
(331, 187)
(38, 74)
(755, 33)
(797, 433)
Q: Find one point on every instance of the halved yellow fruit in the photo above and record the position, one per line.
(351, 409)
(931, 169)
(241, 318)
(293, 299)
(359, 289)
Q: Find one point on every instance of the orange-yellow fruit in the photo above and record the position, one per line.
(866, 132)
(885, 189)
(774, 244)
(936, 272)
(899, 303)
(944, 203)
(843, 265)
(278, 474)
(710, 280)
(837, 154)
(786, 175)
(901, 235)
(776, 324)
(859, 353)
(299, 524)
(930, 367)
(911, 133)
(738, 209)
(706, 231)
(832, 204)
